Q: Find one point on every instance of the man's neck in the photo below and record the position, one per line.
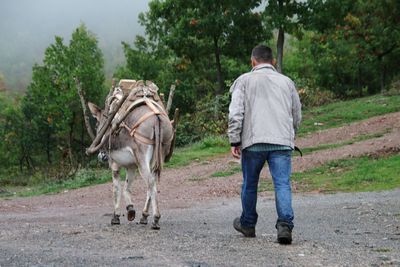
(263, 65)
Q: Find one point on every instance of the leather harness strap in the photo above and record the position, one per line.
(143, 139)
(142, 119)
(154, 111)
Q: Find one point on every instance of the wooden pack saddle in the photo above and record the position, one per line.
(139, 93)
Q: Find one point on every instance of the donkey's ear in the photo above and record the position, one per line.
(95, 110)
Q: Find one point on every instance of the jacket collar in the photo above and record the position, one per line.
(263, 66)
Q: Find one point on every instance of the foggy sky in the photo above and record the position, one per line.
(28, 27)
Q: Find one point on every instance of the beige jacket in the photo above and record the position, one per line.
(265, 108)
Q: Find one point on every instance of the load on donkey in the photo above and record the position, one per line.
(134, 132)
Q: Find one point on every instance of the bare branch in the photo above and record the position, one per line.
(84, 108)
(176, 119)
(110, 93)
(170, 97)
(162, 97)
(94, 147)
(174, 125)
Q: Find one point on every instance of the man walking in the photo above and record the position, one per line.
(264, 115)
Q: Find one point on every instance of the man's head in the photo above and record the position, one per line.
(261, 54)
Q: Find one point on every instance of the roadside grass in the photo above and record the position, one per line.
(207, 148)
(347, 175)
(344, 112)
(229, 172)
(84, 177)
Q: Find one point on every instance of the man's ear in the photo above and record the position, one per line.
(95, 110)
(253, 62)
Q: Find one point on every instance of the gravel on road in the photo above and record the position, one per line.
(343, 229)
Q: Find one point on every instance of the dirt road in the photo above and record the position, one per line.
(73, 228)
(331, 230)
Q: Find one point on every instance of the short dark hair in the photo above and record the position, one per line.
(262, 53)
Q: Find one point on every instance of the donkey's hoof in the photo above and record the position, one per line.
(143, 220)
(155, 226)
(115, 220)
(130, 212)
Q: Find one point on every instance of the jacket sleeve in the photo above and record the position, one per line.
(296, 109)
(236, 113)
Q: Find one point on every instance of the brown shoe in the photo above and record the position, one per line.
(247, 232)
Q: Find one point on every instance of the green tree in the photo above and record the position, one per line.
(323, 16)
(205, 31)
(373, 26)
(286, 16)
(356, 45)
(11, 133)
(51, 106)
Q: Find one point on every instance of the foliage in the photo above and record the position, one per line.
(12, 133)
(209, 116)
(360, 50)
(51, 107)
(394, 88)
(326, 15)
(299, 64)
(205, 31)
(286, 16)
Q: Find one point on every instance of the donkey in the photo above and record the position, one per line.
(139, 142)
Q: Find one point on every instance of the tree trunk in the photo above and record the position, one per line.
(170, 97)
(70, 137)
(279, 48)
(359, 86)
(48, 149)
(217, 53)
(382, 66)
(84, 109)
(82, 144)
(383, 76)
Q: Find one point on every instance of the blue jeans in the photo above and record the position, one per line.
(279, 163)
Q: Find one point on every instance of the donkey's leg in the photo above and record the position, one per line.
(144, 169)
(145, 212)
(116, 194)
(147, 175)
(130, 174)
(154, 203)
(151, 198)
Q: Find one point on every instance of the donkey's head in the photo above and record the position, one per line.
(104, 117)
(100, 115)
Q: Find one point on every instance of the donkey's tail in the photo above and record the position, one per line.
(158, 151)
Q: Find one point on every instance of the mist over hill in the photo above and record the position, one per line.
(28, 27)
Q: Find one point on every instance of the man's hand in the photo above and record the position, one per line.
(235, 150)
